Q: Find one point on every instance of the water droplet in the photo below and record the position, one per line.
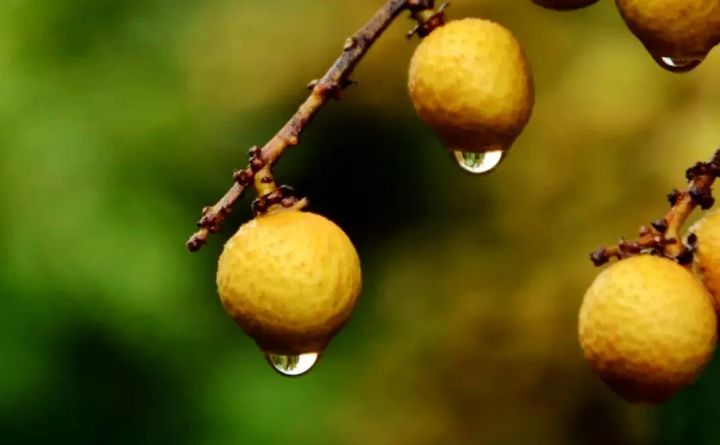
(678, 64)
(478, 163)
(292, 365)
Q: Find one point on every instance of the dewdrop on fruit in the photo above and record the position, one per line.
(290, 280)
(679, 34)
(471, 82)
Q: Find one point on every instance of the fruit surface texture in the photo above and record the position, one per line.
(681, 29)
(471, 82)
(648, 327)
(564, 5)
(290, 279)
(707, 252)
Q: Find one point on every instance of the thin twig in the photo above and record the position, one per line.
(664, 236)
(329, 86)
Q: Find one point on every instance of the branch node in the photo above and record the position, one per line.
(256, 161)
(661, 225)
(701, 197)
(283, 196)
(243, 176)
(599, 257)
(292, 141)
(350, 43)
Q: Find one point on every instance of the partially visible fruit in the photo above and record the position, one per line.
(471, 82)
(648, 327)
(707, 253)
(290, 279)
(678, 33)
(564, 5)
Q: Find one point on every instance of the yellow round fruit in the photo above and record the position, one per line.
(470, 81)
(564, 5)
(707, 253)
(678, 33)
(290, 279)
(648, 327)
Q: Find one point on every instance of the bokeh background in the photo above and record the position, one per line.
(121, 119)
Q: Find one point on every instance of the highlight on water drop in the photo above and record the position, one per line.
(678, 64)
(292, 365)
(478, 163)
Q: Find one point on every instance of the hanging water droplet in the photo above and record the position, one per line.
(678, 64)
(292, 365)
(478, 163)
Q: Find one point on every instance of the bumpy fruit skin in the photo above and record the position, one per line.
(707, 253)
(471, 82)
(290, 279)
(674, 28)
(648, 327)
(564, 5)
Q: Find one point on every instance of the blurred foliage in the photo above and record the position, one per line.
(120, 119)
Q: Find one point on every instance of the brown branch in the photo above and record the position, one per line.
(329, 86)
(664, 236)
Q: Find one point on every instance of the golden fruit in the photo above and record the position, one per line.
(707, 253)
(470, 81)
(564, 5)
(290, 279)
(678, 33)
(648, 327)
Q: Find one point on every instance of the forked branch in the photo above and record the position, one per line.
(663, 236)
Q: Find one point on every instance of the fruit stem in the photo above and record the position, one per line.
(335, 80)
(264, 181)
(427, 18)
(664, 236)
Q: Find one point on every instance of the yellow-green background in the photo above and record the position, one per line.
(120, 119)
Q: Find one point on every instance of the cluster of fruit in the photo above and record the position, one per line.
(679, 34)
(648, 325)
(291, 278)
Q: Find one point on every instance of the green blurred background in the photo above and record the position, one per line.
(120, 119)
